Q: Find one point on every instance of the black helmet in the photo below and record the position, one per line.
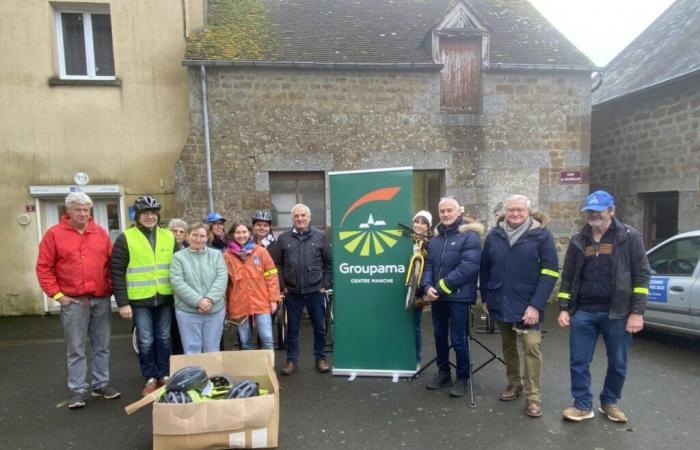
(244, 389)
(188, 378)
(221, 385)
(262, 216)
(146, 203)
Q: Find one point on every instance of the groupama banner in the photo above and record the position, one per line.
(373, 334)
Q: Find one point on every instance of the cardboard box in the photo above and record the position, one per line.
(239, 423)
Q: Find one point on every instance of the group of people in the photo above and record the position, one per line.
(184, 278)
(208, 274)
(603, 291)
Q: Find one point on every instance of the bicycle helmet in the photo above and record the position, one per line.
(244, 389)
(221, 385)
(214, 217)
(262, 216)
(146, 203)
(188, 378)
(191, 396)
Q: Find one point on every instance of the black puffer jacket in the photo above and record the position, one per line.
(304, 260)
(630, 277)
(120, 261)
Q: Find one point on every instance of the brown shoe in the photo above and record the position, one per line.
(613, 413)
(289, 368)
(163, 381)
(151, 385)
(322, 366)
(511, 393)
(533, 408)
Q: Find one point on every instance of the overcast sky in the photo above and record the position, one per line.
(601, 28)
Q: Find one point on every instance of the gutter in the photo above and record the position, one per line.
(543, 67)
(649, 87)
(309, 65)
(207, 146)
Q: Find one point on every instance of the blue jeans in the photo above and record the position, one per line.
(417, 318)
(153, 339)
(453, 318)
(263, 322)
(88, 318)
(315, 305)
(200, 333)
(585, 329)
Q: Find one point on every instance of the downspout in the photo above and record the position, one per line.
(207, 147)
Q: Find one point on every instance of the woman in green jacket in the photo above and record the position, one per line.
(198, 276)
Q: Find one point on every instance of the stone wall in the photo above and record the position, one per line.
(533, 125)
(650, 142)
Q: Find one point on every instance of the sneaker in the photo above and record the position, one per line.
(613, 413)
(106, 392)
(440, 380)
(77, 401)
(163, 381)
(151, 385)
(459, 388)
(322, 366)
(576, 415)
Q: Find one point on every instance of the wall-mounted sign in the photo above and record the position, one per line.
(29, 208)
(571, 177)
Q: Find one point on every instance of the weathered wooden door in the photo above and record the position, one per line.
(460, 79)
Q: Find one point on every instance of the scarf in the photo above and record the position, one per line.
(515, 233)
(244, 251)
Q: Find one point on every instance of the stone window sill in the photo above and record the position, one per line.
(55, 81)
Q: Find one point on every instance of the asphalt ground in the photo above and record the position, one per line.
(661, 398)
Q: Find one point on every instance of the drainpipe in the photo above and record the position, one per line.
(207, 147)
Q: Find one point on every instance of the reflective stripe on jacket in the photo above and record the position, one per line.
(148, 271)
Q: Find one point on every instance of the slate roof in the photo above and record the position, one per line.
(380, 31)
(668, 49)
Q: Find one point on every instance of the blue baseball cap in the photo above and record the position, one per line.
(598, 201)
(214, 217)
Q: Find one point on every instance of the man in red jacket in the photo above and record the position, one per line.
(73, 268)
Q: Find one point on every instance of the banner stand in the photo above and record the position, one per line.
(373, 334)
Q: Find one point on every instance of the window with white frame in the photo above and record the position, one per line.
(84, 40)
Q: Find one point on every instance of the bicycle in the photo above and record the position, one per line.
(281, 323)
(328, 311)
(414, 274)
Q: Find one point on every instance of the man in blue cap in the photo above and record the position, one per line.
(604, 288)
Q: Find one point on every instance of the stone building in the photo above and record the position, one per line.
(646, 126)
(483, 98)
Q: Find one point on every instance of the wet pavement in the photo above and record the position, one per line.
(321, 411)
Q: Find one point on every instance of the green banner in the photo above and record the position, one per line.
(373, 334)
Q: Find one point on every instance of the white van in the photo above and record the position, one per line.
(674, 289)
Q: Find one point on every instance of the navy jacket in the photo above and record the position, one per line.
(513, 278)
(452, 266)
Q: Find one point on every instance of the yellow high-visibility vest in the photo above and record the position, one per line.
(148, 272)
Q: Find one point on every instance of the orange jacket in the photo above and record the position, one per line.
(253, 284)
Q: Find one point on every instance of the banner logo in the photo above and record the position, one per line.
(370, 237)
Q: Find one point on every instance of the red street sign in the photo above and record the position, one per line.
(570, 177)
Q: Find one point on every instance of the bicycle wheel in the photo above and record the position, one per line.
(281, 318)
(328, 304)
(134, 340)
(413, 285)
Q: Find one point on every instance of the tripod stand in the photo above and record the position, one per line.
(470, 337)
